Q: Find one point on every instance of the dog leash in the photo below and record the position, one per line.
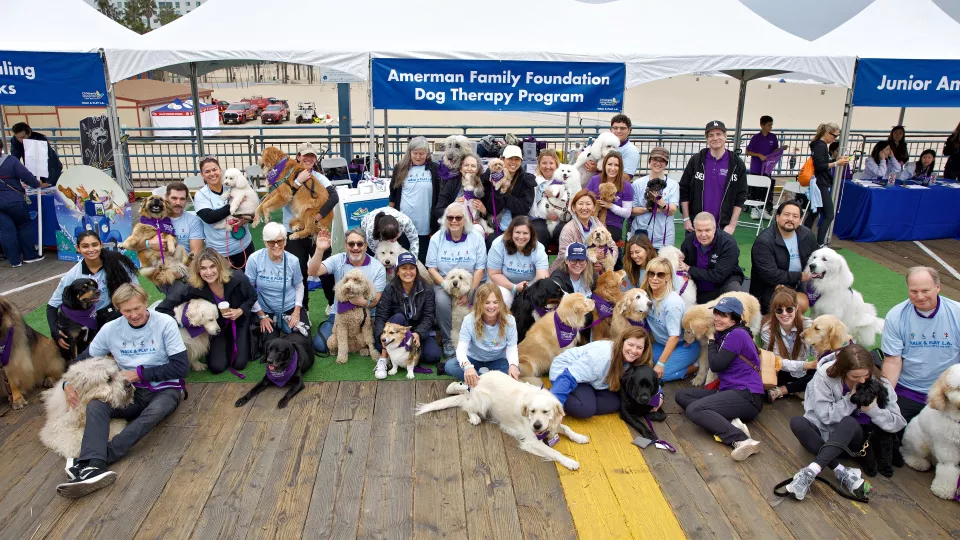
(233, 356)
(867, 487)
(657, 440)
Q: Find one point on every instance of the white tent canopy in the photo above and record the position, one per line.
(62, 26)
(179, 114)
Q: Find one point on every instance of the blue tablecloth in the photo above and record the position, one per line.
(50, 223)
(897, 213)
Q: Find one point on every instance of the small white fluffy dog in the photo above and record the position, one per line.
(675, 256)
(457, 283)
(243, 198)
(388, 252)
(603, 144)
(831, 279)
(524, 411)
(95, 378)
(555, 200)
(199, 313)
(934, 435)
(570, 177)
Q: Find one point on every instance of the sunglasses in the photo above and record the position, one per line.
(835, 135)
(454, 218)
(658, 275)
(355, 244)
(274, 242)
(787, 310)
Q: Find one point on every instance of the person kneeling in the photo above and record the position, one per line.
(150, 352)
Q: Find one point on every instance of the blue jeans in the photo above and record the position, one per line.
(17, 232)
(323, 334)
(682, 358)
(452, 367)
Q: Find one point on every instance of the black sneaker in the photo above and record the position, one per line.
(72, 468)
(89, 480)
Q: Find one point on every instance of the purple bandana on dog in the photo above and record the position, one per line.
(85, 318)
(163, 226)
(6, 348)
(565, 334)
(282, 378)
(446, 173)
(657, 399)
(642, 323)
(407, 338)
(813, 295)
(540, 311)
(496, 176)
(343, 307)
(468, 195)
(274, 173)
(604, 308)
(193, 331)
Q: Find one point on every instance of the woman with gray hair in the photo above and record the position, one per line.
(823, 169)
(414, 188)
(278, 282)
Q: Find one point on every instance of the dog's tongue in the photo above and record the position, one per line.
(272, 367)
(817, 275)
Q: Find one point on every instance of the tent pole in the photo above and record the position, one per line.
(2, 136)
(373, 135)
(903, 111)
(740, 103)
(345, 121)
(195, 94)
(119, 163)
(566, 138)
(386, 142)
(844, 150)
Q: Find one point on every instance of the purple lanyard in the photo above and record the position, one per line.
(233, 328)
(654, 401)
(653, 224)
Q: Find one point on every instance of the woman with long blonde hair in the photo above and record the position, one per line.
(673, 360)
(823, 168)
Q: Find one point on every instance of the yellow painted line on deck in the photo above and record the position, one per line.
(614, 494)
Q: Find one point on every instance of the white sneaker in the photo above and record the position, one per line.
(744, 449)
(380, 372)
(754, 212)
(457, 387)
(767, 215)
(737, 423)
(330, 310)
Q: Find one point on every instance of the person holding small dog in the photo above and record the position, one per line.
(657, 198)
(637, 253)
(211, 208)
(408, 300)
(488, 342)
(414, 189)
(276, 276)
(714, 181)
(611, 171)
(452, 192)
(779, 255)
(781, 333)
(150, 352)
(586, 379)
(388, 225)
(516, 193)
(665, 322)
(516, 259)
(211, 279)
(831, 421)
(547, 164)
(712, 258)
(353, 257)
(621, 126)
(577, 229)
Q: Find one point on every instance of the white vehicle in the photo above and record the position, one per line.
(306, 112)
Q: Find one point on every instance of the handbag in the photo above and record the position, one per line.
(806, 172)
(770, 364)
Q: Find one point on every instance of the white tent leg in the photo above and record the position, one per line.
(197, 121)
(373, 135)
(838, 174)
(903, 111)
(566, 138)
(119, 162)
(740, 103)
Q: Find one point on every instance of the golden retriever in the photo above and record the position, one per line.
(541, 344)
(353, 328)
(32, 359)
(630, 310)
(305, 198)
(201, 323)
(530, 414)
(697, 325)
(826, 334)
(398, 341)
(605, 297)
(601, 248)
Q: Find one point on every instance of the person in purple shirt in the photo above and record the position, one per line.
(761, 145)
(714, 181)
(734, 358)
(611, 171)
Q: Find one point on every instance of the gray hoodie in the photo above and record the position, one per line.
(825, 404)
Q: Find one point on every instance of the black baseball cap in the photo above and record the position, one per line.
(714, 124)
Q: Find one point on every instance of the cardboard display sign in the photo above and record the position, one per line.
(96, 144)
(87, 199)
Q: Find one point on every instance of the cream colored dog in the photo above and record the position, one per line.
(353, 328)
(631, 310)
(601, 248)
(243, 198)
(675, 256)
(934, 435)
(199, 313)
(825, 334)
(541, 344)
(457, 284)
(526, 412)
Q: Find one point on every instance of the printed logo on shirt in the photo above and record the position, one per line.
(138, 348)
(932, 343)
(272, 275)
(698, 175)
(723, 172)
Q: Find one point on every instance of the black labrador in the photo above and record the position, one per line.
(77, 316)
(544, 295)
(879, 456)
(288, 357)
(639, 387)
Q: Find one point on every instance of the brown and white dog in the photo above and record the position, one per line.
(29, 358)
(601, 248)
(401, 349)
(630, 310)
(155, 213)
(457, 284)
(543, 341)
(606, 295)
(306, 198)
(353, 327)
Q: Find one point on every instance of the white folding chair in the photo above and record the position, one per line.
(254, 174)
(762, 182)
(795, 188)
(330, 163)
(160, 191)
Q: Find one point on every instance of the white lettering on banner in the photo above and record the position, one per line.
(549, 99)
(507, 77)
(569, 78)
(8, 68)
(425, 77)
(420, 94)
(8, 89)
(947, 84)
(457, 94)
(903, 84)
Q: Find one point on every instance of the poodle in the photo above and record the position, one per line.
(352, 325)
(243, 198)
(602, 145)
(457, 284)
(687, 291)
(934, 435)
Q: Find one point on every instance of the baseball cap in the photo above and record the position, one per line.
(307, 148)
(715, 124)
(512, 151)
(406, 258)
(660, 152)
(729, 305)
(576, 252)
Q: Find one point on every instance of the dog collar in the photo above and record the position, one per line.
(565, 334)
(407, 339)
(85, 318)
(281, 379)
(163, 225)
(686, 281)
(642, 323)
(547, 439)
(193, 331)
(6, 348)
(657, 399)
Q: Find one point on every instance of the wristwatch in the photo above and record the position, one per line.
(264, 316)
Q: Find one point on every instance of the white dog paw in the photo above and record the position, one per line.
(474, 419)
(579, 439)
(570, 464)
(410, 374)
(699, 380)
(944, 490)
(917, 463)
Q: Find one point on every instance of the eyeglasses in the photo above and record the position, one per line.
(454, 218)
(355, 244)
(658, 275)
(659, 160)
(835, 135)
(787, 310)
(274, 242)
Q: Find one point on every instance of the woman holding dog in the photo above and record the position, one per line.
(516, 259)
(586, 379)
(515, 196)
(452, 191)
(275, 274)
(211, 279)
(455, 245)
(832, 419)
(611, 171)
(547, 164)
(657, 197)
(781, 333)
(488, 341)
(110, 269)
(636, 254)
(673, 361)
(583, 205)
(414, 189)
(211, 208)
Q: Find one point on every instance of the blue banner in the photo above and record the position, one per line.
(907, 83)
(486, 85)
(64, 79)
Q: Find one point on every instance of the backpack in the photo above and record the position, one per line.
(806, 172)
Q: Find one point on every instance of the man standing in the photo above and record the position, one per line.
(21, 131)
(920, 340)
(716, 257)
(621, 126)
(714, 181)
(779, 255)
(761, 145)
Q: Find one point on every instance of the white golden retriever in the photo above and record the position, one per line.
(95, 378)
(530, 414)
(388, 253)
(457, 284)
(934, 435)
(831, 293)
(200, 313)
(602, 145)
(675, 256)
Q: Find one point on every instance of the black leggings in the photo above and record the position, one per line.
(826, 212)
(585, 402)
(712, 410)
(793, 384)
(221, 346)
(423, 247)
(302, 249)
(239, 260)
(847, 433)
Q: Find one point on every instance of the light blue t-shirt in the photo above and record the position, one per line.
(655, 225)
(928, 346)
(665, 318)
(339, 266)
(470, 253)
(268, 278)
(794, 253)
(517, 267)
(631, 158)
(288, 212)
(78, 271)
(490, 346)
(217, 238)
(579, 287)
(150, 345)
(416, 199)
(188, 227)
(587, 364)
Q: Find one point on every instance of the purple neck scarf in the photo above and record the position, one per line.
(163, 226)
(657, 399)
(642, 323)
(468, 195)
(407, 338)
(87, 319)
(496, 176)
(930, 316)
(193, 331)
(813, 295)
(446, 173)
(565, 334)
(6, 348)
(343, 307)
(541, 311)
(282, 378)
(274, 174)
(604, 308)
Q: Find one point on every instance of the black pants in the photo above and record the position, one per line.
(755, 193)
(732, 285)
(239, 260)
(221, 345)
(302, 249)
(712, 410)
(423, 247)
(794, 384)
(146, 411)
(826, 212)
(909, 408)
(847, 433)
(543, 233)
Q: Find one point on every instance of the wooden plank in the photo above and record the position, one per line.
(541, 503)
(489, 500)
(12, 420)
(35, 495)
(264, 408)
(286, 493)
(335, 505)
(437, 481)
(176, 511)
(21, 452)
(916, 485)
(387, 507)
(202, 397)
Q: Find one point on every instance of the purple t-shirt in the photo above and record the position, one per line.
(613, 220)
(740, 375)
(761, 144)
(703, 261)
(714, 182)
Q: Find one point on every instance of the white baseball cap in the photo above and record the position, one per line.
(512, 151)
